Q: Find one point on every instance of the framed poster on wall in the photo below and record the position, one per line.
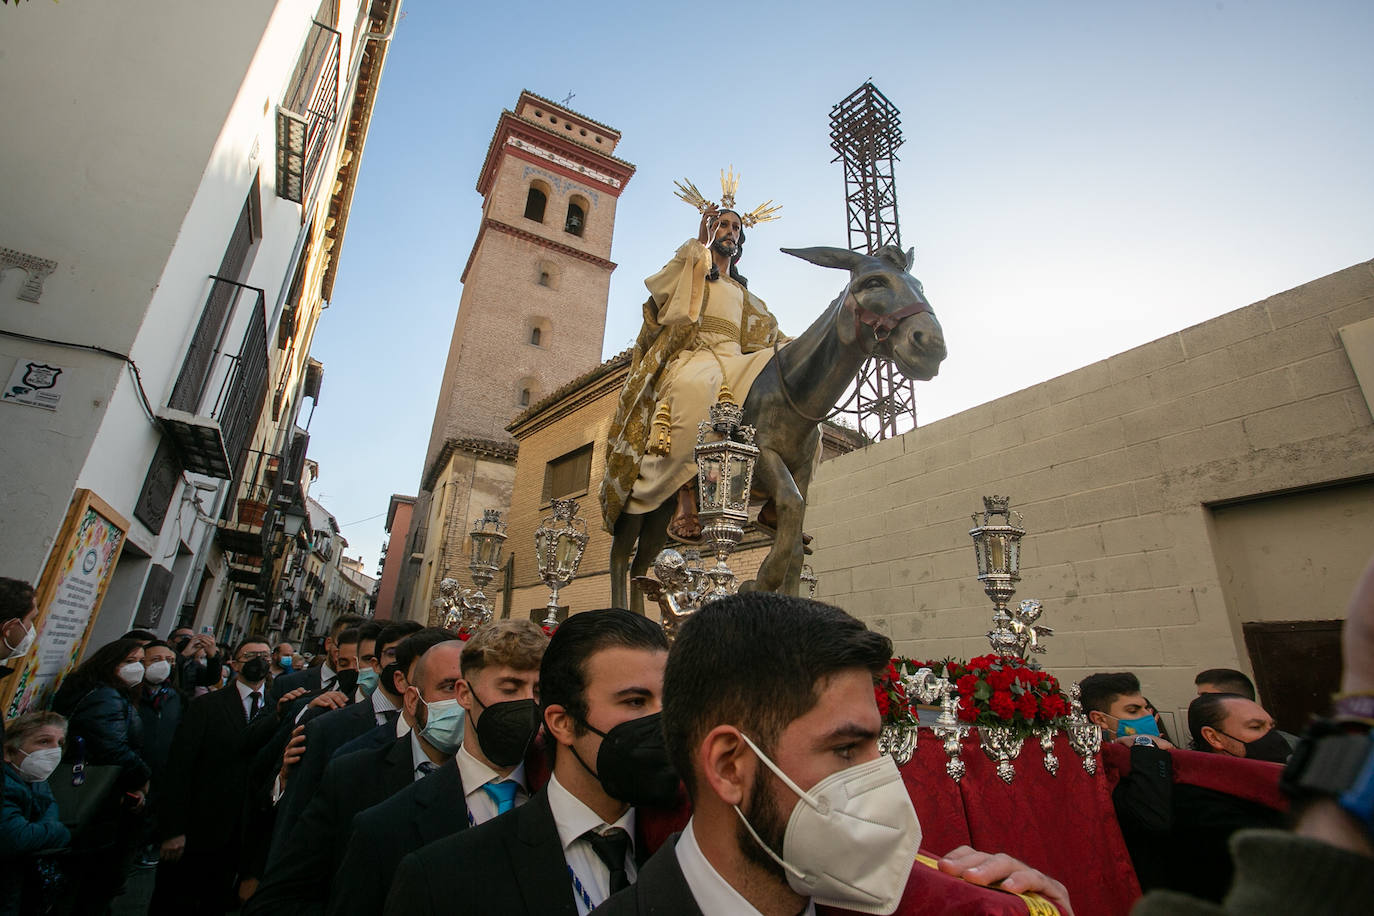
(69, 594)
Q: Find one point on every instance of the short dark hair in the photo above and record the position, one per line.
(755, 661)
(418, 643)
(250, 638)
(563, 671)
(1229, 680)
(369, 629)
(346, 635)
(393, 633)
(1099, 691)
(344, 622)
(1207, 709)
(140, 635)
(16, 598)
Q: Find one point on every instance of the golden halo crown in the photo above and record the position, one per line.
(729, 184)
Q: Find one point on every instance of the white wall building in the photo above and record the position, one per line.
(176, 183)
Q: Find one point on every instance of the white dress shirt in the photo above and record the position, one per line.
(713, 893)
(246, 698)
(328, 674)
(475, 775)
(573, 818)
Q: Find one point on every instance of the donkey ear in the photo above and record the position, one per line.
(910, 258)
(842, 258)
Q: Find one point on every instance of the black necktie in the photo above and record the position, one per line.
(330, 684)
(257, 705)
(426, 767)
(390, 716)
(611, 848)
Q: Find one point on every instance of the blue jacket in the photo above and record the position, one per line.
(28, 824)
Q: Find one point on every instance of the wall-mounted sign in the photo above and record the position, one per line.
(69, 595)
(36, 384)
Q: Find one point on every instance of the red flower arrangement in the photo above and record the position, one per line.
(996, 691)
(893, 704)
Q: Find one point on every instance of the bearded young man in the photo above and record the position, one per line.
(770, 718)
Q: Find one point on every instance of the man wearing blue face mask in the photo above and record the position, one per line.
(1115, 704)
(424, 665)
(477, 718)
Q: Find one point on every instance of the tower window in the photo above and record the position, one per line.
(534, 205)
(577, 218)
(524, 397)
(543, 278)
(536, 334)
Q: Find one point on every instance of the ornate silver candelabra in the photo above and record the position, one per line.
(559, 542)
(1084, 737)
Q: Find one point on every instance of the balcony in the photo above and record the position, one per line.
(307, 113)
(245, 532)
(212, 442)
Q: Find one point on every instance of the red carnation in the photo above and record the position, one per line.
(967, 711)
(1027, 706)
(966, 685)
(1002, 705)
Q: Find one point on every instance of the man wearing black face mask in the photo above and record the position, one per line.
(576, 842)
(485, 775)
(301, 877)
(201, 814)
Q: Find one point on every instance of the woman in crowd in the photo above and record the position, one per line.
(104, 729)
(29, 824)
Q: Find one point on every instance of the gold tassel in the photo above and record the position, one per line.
(661, 433)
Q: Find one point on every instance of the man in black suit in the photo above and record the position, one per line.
(320, 677)
(376, 704)
(201, 811)
(299, 879)
(766, 697)
(490, 687)
(573, 845)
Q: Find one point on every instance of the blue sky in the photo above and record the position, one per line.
(1078, 178)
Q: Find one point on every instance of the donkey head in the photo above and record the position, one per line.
(890, 315)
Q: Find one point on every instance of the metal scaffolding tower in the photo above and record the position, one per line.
(865, 132)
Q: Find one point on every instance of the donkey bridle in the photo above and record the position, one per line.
(882, 325)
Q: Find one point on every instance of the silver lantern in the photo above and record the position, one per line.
(725, 475)
(559, 542)
(998, 550)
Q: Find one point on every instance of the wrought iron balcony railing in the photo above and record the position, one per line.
(213, 441)
(307, 113)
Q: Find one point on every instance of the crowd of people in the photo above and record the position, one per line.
(406, 771)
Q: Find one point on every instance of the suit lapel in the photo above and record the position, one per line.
(233, 707)
(536, 855)
(442, 809)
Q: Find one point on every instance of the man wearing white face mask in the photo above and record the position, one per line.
(769, 716)
(17, 613)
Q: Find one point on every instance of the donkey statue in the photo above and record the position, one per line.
(882, 312)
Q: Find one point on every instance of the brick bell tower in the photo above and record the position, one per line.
(531, 317)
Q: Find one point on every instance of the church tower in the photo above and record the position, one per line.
(531, 317)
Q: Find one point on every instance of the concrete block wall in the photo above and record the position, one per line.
(1113, 466)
